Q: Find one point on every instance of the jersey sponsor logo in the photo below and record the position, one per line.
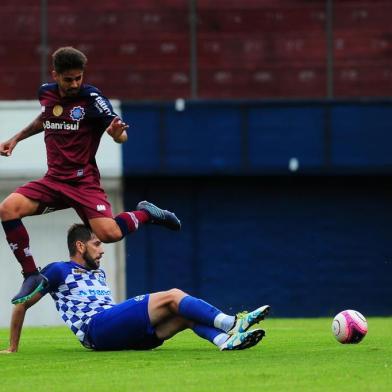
(101, 207)
(89, 292)
(102, 106)
(77, 113)
(58, 110)
(60, 126)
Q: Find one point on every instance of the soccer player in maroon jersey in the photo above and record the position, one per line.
(74, 117)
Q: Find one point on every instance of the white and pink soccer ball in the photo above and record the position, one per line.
(349, 326)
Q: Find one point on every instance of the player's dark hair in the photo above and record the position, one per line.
(67, 58)
(77, 232)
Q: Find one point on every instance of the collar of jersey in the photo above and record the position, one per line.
(74, 263)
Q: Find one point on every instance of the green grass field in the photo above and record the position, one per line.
(295, 355)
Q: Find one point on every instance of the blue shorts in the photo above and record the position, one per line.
(125, 326)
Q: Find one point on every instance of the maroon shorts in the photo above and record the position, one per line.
(88, 199)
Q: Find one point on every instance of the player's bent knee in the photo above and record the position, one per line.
(7, 212)
(109, 237)
(17, 206)
(106, 230)
(175, 296)
(176, 292)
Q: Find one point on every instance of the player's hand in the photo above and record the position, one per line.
(6, 148)
(116, 128)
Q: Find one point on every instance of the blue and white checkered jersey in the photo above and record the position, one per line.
(78, 293)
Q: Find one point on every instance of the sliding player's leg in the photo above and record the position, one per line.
(163, 307)
(177, 302)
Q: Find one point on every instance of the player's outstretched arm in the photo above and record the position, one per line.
(33, 128)
(17, 320)
(118, 130)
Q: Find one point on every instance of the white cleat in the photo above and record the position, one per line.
(243, 340)
(244, 321)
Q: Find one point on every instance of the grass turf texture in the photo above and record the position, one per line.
(296, 355)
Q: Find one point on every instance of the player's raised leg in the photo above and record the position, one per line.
(114, 229)
(12, 210)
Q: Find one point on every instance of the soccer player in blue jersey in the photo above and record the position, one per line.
(84, 302)
(74, 116)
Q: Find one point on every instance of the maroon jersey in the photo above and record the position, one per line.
(73, 129)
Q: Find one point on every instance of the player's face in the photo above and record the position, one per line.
(69, 82)
(93, 252)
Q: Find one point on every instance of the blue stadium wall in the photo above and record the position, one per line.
(310, 242)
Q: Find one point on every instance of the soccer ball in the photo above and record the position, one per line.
(349, 326)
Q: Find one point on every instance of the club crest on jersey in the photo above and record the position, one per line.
(100, 277)
(58, 110)
(77, 113)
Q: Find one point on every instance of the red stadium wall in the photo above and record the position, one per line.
(261, 49)
(244, 48)
(19, 49)
(362, 48)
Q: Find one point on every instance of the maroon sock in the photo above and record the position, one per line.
(129, 221)
(19, 241)
(142, 216)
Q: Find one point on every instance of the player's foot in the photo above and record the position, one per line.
(243, 321)
(31, 285)
(242, 340)
(159, 216)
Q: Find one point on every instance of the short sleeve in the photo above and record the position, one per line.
(100, 109)
(53, 272)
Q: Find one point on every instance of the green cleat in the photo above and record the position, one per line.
(244, 320)
(243, 340)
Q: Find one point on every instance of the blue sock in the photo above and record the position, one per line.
(211, 334)
(197, 310)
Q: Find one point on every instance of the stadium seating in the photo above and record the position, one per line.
(19, 50)
(260, 49)
(362, 44)
(244, 49)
